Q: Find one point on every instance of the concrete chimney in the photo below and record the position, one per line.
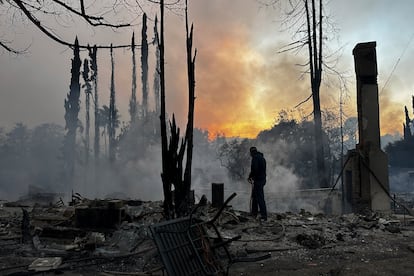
(366, 173)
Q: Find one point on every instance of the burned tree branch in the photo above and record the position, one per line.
(89, 18)
(304, 101)
(11, 50)
(82, 13)
(163, 2)
(20, 4)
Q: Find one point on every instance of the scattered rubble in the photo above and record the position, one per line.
(74, 238)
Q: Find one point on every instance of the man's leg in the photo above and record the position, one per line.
(254, 202)
(260, 200)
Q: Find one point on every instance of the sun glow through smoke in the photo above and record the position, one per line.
(230, 89)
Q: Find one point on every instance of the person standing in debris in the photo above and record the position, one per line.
(257, 177)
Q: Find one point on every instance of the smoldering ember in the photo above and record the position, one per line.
(318, 194)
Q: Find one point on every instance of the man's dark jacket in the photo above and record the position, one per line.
(258, 167)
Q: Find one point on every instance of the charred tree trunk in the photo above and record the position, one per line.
(157, 69)
(173, 152)
(191, 99)
(88, 91)
(315, 64)
(133, 100)
(175, 156)
(407, 129)
(144, 66)
(165, 175)
(412, 102)
(72, 108)
(94, 78)
(112, 113)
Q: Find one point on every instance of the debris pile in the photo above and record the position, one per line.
(113, 237)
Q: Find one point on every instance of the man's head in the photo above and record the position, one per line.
(253, 151)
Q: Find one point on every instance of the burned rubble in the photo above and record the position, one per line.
(58, 238)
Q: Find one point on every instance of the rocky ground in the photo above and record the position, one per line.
(298, 243)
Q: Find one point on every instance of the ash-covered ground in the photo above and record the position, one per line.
(112, 237)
